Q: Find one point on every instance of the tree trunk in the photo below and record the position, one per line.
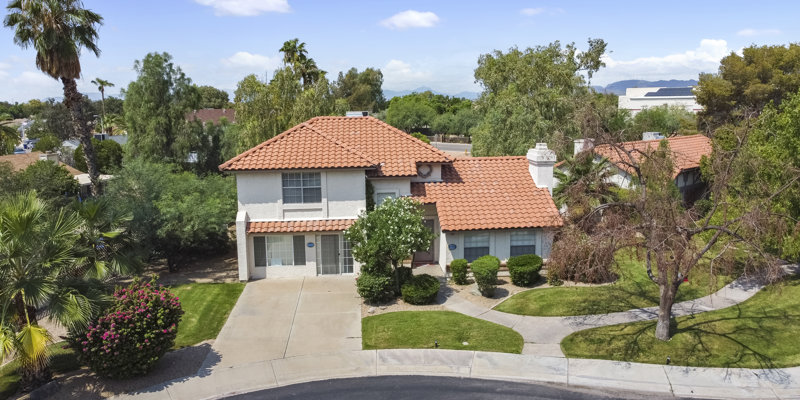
(31, 375)
(666, 300)
(396, 278)
(74, 101)
(103, 103)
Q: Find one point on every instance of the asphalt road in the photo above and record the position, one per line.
(453, 147)
(428, 387)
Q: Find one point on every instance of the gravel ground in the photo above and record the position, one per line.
(83, 384)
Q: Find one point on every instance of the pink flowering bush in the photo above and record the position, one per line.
(138, 329)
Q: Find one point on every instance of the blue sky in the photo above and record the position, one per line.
(415, 43)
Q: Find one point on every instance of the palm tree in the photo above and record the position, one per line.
(58, 30)
(9, 137)
(61, 260)
(293, 51)
(102, 84)
(584, 182)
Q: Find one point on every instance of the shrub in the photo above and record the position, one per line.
(421, 289)
(577, 257)
(138, 329)
(422, 137)
(524, 270)
(374, 288)
(459, 270)
(404, 274)
(485, 271)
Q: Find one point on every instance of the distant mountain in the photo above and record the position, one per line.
(619, 87)
(396, 93)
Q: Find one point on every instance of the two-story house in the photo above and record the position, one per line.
(299, 191)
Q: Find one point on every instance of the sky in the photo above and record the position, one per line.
(434, 44)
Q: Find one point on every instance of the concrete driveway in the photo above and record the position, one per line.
(278, 318)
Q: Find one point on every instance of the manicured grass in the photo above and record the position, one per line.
(206, 307)
(632, 290)
(61, 360)
(419, 330)
(761, 332)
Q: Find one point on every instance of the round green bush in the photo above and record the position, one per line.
(459, 270)
(374, 288)
(485, 270)
(138, 329)
(421, 289)
(524, 270)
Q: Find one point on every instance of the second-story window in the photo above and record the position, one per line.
(301, 187)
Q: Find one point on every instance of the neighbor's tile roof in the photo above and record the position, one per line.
(301, 147)
(212, 115)
(21, 161)
(488, 193)
(686, 150)
(391, 151)
(326, 225)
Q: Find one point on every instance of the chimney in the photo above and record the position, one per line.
(540, 165)
(49, 156)
(582, 145)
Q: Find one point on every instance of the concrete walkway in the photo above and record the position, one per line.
(277, 318)
(657, 379)
(543, 335)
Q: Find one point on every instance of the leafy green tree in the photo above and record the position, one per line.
(109, 156)
(600, 114)
(389, 234)
(9, 137)
(51, 143)
(583, 183)
(55, 118)
(460, 123)
(362, 90)
(746, 83)
(55, 258)
(155, 107)
(669, 120)
(211, 97)
(410, 113)
(531, 96)
(205, 143)
(58, 30)
(102, 84)
(52, 182)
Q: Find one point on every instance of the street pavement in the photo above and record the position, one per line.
(454, 149)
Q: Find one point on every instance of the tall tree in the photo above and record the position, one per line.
(531, 96)
(155, 107)
(410, 113)
(211, 97)
(296, 57)
(58, 30)
(101, 86)
(362, 90)
(669, 120)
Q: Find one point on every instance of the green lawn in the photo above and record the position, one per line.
(206, 307)
(419, 330)
(761, 332)
(632, 290)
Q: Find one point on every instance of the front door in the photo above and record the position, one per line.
(425, 256)
(329, 255)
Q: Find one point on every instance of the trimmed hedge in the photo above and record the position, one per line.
(374, 288)
(421, 289)
(459, 270)
(524, 270)
(485, 271)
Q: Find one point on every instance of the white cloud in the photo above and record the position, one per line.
(245, 60)
(400, 74)
(532, 11)
(758, 32)
(246, 8)
(411, 19)
(686, 65)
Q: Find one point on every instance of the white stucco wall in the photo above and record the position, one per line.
(399, 186)
(435, 176)
(260, 194)
(286, 271)
(499, 244)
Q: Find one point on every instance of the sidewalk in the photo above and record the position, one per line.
(543, 335)
(658, 379)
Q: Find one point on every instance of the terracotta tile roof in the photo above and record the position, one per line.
(21, 161)
(390, 150)
(212, 115)
(687, 151)
(488, 193)
(301, 147)
(326, 225)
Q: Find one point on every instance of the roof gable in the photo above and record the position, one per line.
(301, 147)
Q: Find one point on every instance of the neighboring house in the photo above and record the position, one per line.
(212, 115)
(637, 99)
(298, 192)
(20, 162)
(687, 151)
